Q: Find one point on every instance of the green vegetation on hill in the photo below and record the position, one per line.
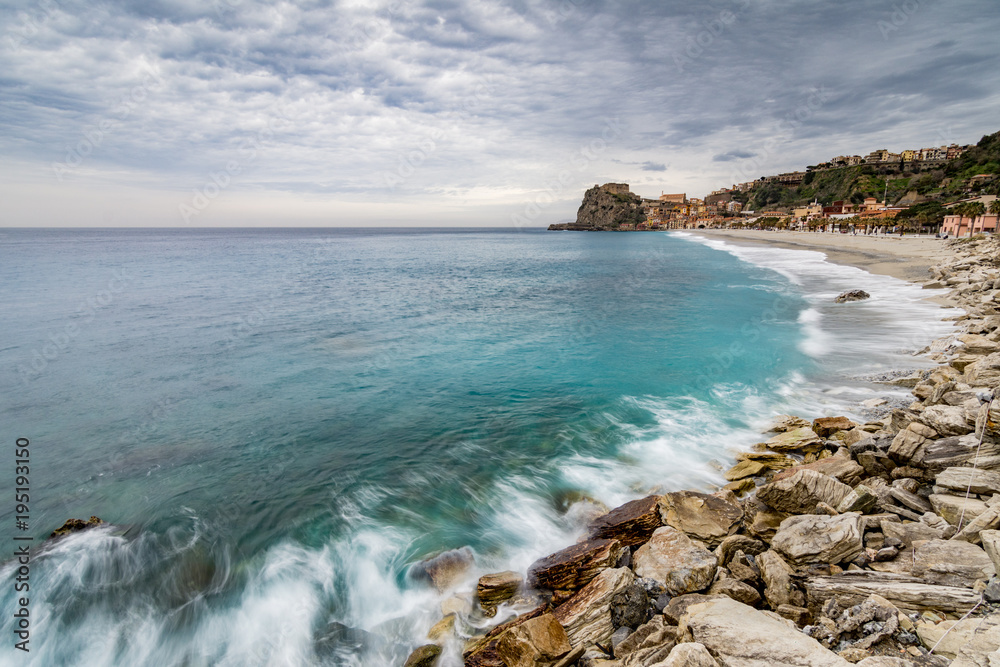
(944, 183)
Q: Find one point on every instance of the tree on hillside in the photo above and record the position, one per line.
(975, 209)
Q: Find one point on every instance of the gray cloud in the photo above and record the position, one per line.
(445, 107)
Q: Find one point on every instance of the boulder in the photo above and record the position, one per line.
(937, 455)
(852, 295)
(799, 493)
(948, 637)
(947, 419)
(777, 576)
(446, 569)
(991, 545)
(574, 566)
(736, 590)
(424, 656)
(861, 499)
(951, 563)
(814, 538)
(980, 649)
(827, 426)
(699, 515)
(972, 530)
(76, 525)
(744, 469)
(909, 440)
(729, 546)
(632, 523)
(985, 372)
(586, 616)
(539, 640)
(640, 645)
(494, 589)
(784, 423)
(908, 533)
(983, 482)
(678, 606)
(800, 439)
(690, 654)
(741, 636)
(671, 558)
(905, 592)
(630, 607)
(841, 468)
(957, 508)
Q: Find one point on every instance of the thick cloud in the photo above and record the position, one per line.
(463, 111)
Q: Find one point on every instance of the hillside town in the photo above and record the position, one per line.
(937, 190)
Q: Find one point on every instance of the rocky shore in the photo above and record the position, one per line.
(833, 542)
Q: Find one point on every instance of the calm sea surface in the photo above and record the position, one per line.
(277, 424)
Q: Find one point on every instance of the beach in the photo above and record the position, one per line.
(907, 258)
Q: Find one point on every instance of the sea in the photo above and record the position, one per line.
(277, 425)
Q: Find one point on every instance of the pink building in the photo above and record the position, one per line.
(957, 225)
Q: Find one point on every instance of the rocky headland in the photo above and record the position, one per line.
(833, 542)
(606, 208)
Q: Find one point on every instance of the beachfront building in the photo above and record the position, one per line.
(809, 212)
(958, 225)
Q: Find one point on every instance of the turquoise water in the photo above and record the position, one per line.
(284, 421)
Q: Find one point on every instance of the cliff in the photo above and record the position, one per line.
(603, 210)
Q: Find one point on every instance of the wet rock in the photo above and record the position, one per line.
(800, 439)
(632, 523)
(800, 492)
(785, 423)
(699, 515)
(745, 469)
(672, 559)
(494, 589)
(586, 616)
(538, 640)
(819, 539)
(76, 525)
(827, 426)
(852, 295)
(446, 569)
(424, 656)
(742, 636)
(630, 607)
(573, 567)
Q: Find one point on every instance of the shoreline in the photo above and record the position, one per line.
(827, 526)
(908, 258)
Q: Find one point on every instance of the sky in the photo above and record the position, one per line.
(209, 113)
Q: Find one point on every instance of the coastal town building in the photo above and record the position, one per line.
(674, 199)
(616, 188)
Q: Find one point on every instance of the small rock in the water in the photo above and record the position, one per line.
(76, 525)
(853, 295)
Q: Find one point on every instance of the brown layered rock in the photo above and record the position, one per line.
(736, 590)
(671, 559)
(982, 482)
(586, 616)
(784, 423)
(574, 566)
(797, 440)
(777, 576)
(446, 569)
(947, 419)
(800, 492)
(909, 440)
(957, 509)
(540, 640)
(690, 654)
(741, 636)
(76, 525)
(842, 468)
(951, 563)
(630, 524)
(827, 426)
(814, 538)
(905, 592)
(985, 372)
(699, 515)
(493, 589)
(424, 656)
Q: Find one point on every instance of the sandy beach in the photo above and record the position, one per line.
(907, 258)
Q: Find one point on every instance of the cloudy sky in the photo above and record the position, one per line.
(460, 112)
